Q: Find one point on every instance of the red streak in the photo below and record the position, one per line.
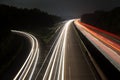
(108, 33)
(102, 38)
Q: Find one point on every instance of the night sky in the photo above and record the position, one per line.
(65, 8)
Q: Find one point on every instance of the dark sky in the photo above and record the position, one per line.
(65, 8)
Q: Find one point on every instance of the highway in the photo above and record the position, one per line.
(28, 68)
(68, 57)
(68, 60)
(109, 47)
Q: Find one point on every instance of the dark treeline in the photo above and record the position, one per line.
(107, 20)
(23, 19)
(29, 20)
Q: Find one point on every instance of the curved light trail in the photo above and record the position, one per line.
(66, 56)
(108, 47)
(28, 68)
(66, 45)
(56, 64)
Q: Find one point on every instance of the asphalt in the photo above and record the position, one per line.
(77, 66)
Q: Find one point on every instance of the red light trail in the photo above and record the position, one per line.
(108, 47)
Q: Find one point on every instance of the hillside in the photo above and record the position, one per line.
(107, 20)
(34, 21)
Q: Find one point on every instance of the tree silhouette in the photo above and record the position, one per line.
(109, 21)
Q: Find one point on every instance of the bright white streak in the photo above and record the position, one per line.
(32, 41)
(35, 57)
(110, 54)
(35, 60)
(50, 63)
(63, 37)
(48, 55)
(25, 66)
(67, 25)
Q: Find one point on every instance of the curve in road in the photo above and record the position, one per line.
(29, 66)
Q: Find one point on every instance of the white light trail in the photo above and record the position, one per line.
(108, 52)
(58, 56)
(29, 66)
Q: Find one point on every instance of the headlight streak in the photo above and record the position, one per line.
(107, 47)
(29, 66)
(56, 66)
(58, 57)
(45, 76)
(48, 53)
(36, 55)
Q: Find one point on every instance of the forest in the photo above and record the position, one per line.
(24, 19)
(107, 20)
(12, 45)
(30, 20)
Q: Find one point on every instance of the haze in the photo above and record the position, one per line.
(65, 8)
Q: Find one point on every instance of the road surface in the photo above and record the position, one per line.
(107, 46)
(68, 60)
